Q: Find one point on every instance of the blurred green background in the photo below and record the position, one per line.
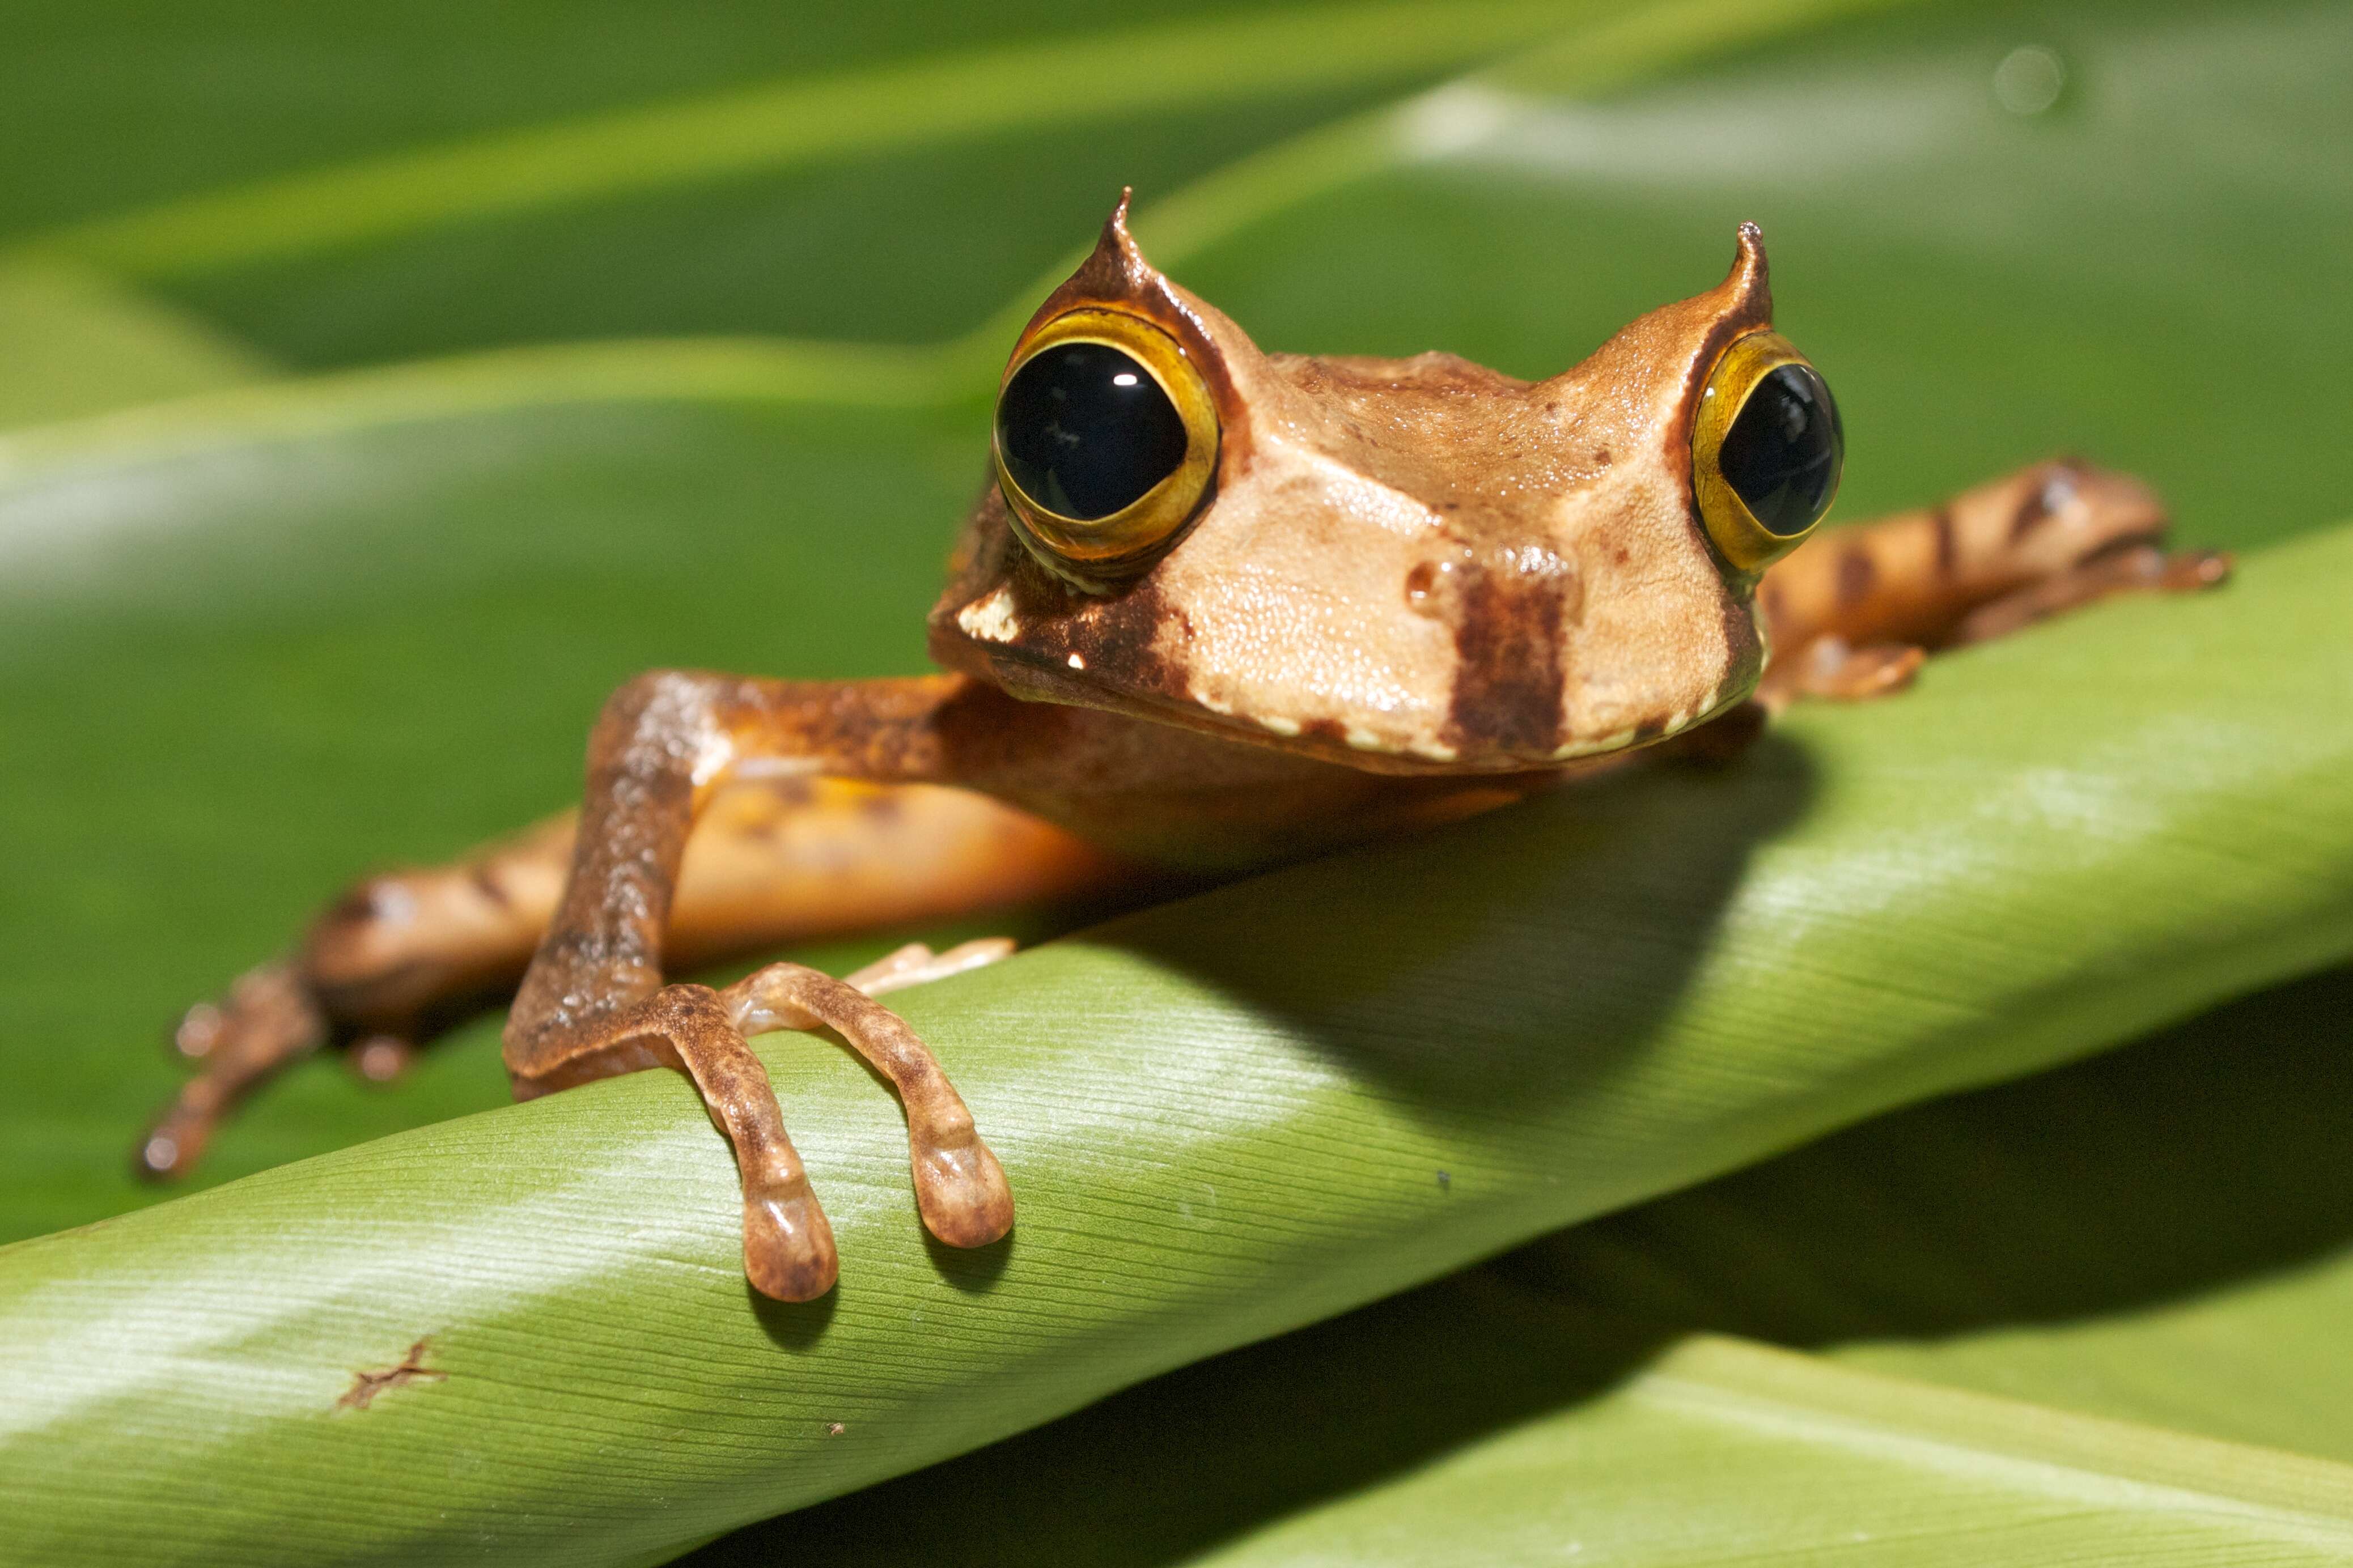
(380, 387)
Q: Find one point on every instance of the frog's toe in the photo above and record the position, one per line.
(960, 1189)
(962, 1193)
(788, 1251)
(2191, 571)
(380, 1058)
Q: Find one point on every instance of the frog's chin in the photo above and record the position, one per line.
(1332, 740)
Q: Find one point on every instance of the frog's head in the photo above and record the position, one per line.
(1415, 565)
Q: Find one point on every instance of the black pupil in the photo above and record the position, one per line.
(1085, 430)
(1782, 453)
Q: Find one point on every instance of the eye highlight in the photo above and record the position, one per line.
(1767, 449)
(1106, 443)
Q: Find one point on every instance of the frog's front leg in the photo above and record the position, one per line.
(1852, 613)
(594, 1002)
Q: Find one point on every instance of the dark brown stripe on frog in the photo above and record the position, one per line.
(1331, 732)
(1857, 573)
(2030, 514)
(1507, 685)
(1948, 547)
(487, 885)
(1123, 640)
(355, 907)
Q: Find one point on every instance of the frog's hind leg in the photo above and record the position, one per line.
(1855, 612)
(404, 955)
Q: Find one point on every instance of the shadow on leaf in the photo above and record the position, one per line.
(1625, 876)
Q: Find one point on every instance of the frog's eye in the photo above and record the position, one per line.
(1766, 450)
(1106, 442)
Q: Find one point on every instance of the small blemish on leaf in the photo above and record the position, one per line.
(835, 1428)
(366, 1385)
(1445, 1181)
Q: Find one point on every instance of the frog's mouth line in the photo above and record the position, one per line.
(1024, 675)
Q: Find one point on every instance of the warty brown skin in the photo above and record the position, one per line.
(1417, 589)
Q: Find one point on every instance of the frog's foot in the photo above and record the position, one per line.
(960, 1189)
(1830, 668)
(2137, 568)
(1827, 665)
(1849, 613)
(788, 1251)
(269, 1019)
(788, 1246)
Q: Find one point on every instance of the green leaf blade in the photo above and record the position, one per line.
(1727, 1451)
(2160, 1237)
(1978, 294)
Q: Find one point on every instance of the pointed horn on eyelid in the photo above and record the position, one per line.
(1749, 282)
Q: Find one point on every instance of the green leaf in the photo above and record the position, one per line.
(128, 102)
(2156, 1237)
(946, 99)
(1213, 1144)
(258, 639)
(76, 344)
(1722, 1450)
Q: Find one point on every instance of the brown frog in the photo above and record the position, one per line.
(1219, 609)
